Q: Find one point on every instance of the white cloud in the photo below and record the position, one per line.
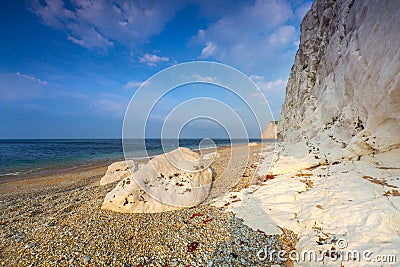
(97, 24)
(111, 104)
(259, 95)
(90, 38)
(133, 84)
(123, 23)
(152, 60)
(204, 79)
(76, 41)
(273, 91)
(284, 35)
(30, 77)
(274, 85)
(268, 86)
(209, 50)
(256, 77)
(249, 39)
(18, 87)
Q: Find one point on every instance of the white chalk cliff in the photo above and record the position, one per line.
(336, 174)
(344, 86)
(270, 131)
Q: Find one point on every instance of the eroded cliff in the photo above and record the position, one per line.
(334, 180)
(270, 131)
(343, 94)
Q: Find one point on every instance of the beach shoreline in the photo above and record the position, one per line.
(51, 168)
(69, 169)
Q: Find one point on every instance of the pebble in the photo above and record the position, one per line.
(86, 260)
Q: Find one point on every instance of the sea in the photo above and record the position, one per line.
(32, 156)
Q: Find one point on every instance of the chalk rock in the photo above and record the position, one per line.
(343, 93)
(270, 131)
(117, 171)
(170, 181)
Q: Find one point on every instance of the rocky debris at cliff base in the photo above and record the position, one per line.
(336, 173)
(351, 200)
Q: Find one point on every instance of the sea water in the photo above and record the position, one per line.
(25, 156)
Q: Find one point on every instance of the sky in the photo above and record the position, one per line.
(68, 69)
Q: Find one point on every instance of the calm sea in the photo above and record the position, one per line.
(25, 156)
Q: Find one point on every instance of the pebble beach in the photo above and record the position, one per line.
(56, 220)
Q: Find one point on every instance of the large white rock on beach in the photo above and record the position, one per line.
(117, 171)
(170, 181)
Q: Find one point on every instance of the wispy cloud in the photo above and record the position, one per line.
(152, 60)
(76, 41)
(272, 90)
(254, 37)
(283, 36)
(209, 50)
(92, 38)
(133, 84)
(30, 77)
(111, 104)
(203, 78)
(268, 86)
(130, 23)
(18, 86)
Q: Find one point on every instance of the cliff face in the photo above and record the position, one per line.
(344, 87)
(335, 176)
(270, 131)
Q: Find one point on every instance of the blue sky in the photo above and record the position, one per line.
(69, 69)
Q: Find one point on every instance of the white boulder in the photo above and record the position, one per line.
(170, 181)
